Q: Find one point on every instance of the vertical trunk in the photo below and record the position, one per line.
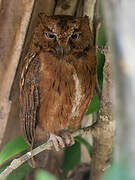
(13, 18)
(103, 131)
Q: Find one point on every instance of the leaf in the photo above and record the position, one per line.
(72, 157)
(100, 9)
(85, 143)
(102, 39)
(100, 65)
(14, 147)
(43, 175)
(18, 173)
(94, 105)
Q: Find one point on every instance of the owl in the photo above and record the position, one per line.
(57, 79)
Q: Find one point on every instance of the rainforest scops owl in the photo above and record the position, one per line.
(58, 79)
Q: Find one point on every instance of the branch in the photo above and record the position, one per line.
(46, 146)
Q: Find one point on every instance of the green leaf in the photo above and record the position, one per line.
(14, 147)
(72, 157)
(100, 9)
(94, 105)
(18, 173)
(85, 143)
(43, 175)
(102, 39)
(100, 65)
(118, 171)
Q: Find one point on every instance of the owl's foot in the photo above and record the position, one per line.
(68, 138)
(59, 142)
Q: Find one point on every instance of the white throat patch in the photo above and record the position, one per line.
(78, 96)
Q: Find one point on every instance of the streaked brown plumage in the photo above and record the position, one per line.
(58, 77)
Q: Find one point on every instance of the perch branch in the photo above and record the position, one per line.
(46, 146)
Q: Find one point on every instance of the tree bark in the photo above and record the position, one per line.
(103, 131)
(14, 19)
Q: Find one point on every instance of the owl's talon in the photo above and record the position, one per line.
(57, 141)
(68, 138)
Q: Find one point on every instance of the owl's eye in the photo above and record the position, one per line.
(50, 35)
(75, 36)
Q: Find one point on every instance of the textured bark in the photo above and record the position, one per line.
(14, 19)
(103, 131)
(66, 7)
(89, 10)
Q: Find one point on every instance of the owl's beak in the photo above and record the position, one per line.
(63, 49)
(63, 46)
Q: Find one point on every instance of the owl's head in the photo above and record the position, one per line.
(62, 35)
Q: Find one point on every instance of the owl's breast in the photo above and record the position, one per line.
(64, 95)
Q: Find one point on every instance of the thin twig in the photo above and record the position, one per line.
(46, 146)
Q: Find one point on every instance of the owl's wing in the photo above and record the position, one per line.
(29, 97)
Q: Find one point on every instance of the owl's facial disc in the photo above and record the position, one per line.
(65, 35)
